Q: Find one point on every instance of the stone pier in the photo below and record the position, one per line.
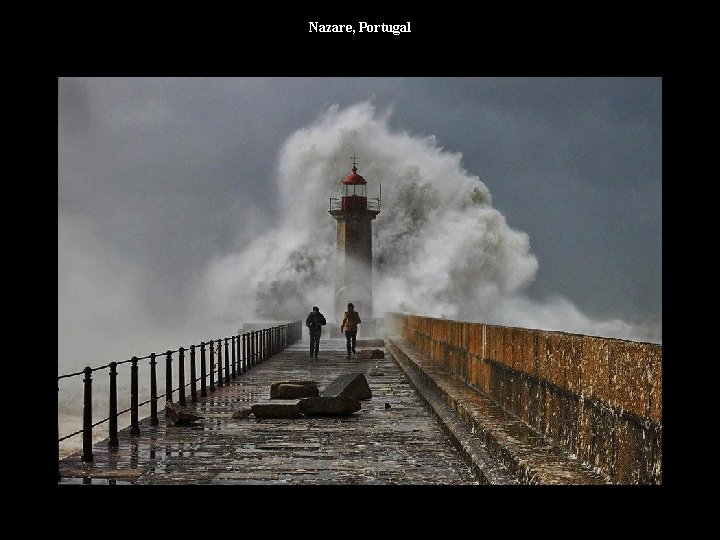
(393, 439)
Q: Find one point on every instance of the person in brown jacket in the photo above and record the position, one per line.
(349, 324)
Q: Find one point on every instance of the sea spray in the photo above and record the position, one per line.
(439, 246)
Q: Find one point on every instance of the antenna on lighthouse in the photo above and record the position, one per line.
(354, 162)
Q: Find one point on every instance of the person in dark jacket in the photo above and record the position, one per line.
(315, 321)
(351, 319)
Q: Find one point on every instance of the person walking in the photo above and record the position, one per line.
(350, 322)
(315, 321)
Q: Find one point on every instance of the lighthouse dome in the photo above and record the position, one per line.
(353, 178)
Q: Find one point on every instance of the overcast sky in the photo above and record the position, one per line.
(158, 176)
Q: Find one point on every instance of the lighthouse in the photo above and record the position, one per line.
(354, 213)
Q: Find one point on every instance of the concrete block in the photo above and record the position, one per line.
(295, 391)
(516, 352)
(637, 369)
(533, 404)
(523, 398)
(604, 455)
(596, 368)
(474, 374)
(274, 387)
(554, 415)
(494, 342)
(585, 431)
(572, 351)
(350, 385)
(276, 410)
(507, 347)
(543, 361)
(655, 355)
(571, 425)
(475, 338)
(616, 368)
(541, 398)
(654, 455)
(465, 336)
(484, 370)
(527, 362)
(465, 365)
(329, 406)
(555, 344)
(629, 466)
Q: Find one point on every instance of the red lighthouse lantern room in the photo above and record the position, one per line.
(354, 193)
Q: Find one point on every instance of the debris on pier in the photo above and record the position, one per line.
(179, 415)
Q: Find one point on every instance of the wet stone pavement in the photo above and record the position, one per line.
(400, 445)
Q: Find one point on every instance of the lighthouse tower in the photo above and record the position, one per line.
(353, 261)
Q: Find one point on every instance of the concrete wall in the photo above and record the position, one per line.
(599, 398)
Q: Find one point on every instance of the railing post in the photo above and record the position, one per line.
(203, 371)
(227, 362)
(251, 349)
(244, 353)
(240, 346)
(233, 346)
(212, 366)
(181, 376)
(264, 345)
(219, 363)
(113, 442)
(168, 377)
(153, 391)
(134, 426)
(87, 454)
(193, 377)
(255, 347)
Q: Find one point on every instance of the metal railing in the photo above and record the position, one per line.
(241, 352)
(373, 204)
